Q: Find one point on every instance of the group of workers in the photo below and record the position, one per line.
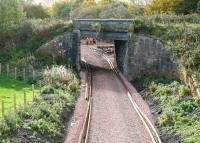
(90, 41)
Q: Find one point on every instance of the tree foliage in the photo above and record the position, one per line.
(35, 11)
(171, 6)
(198, 7)
(61, 9)
(106, 9)
(11, 15)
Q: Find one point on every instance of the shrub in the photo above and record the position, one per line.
(183, 91)
(167, 119)
(9, 124)
(59, 74)
(179, 115)
(48, 89)
(152, 87)
(74, 87)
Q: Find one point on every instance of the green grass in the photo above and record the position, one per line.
(10, 87)
(45, 118)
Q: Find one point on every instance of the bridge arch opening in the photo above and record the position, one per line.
(111, 30)
(120, 52)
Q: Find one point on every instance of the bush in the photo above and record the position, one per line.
(43, 118)
(59, 74)
(180, 113)
(152, 87)
(167, 119)
(9, 124)
(74, 87)
(48, 89)
(183, 91)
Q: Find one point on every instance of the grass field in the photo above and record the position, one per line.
(10, 87)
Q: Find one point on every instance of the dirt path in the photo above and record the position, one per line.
(113, 119)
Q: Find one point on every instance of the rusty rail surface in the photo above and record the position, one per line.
(145, 120)
(83, 138)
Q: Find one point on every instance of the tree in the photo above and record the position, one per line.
(89, 2)
(106, 2)
(171, 6)
(187, 6)
(35, 11)
(11, 15)
(135, 9)
(61, 9)
(112, 11)
(198, 7)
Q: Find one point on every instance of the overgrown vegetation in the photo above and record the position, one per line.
(182, 40)
(179, 111)
(44, 120)
(25, 26)
(171, 7)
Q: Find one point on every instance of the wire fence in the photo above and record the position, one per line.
(16, 96)
(27, 73)
(34, 80)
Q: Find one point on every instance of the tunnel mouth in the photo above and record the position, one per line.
(120, 51)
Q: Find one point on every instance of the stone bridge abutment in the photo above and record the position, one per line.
(134, 53)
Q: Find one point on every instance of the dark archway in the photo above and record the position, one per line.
(116, 30)
(120, 51)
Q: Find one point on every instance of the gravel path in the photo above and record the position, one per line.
(90, 54)
(113, 118)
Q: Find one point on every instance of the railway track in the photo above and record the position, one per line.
(83, 138)
(88, 96)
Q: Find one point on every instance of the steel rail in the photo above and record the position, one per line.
(146, 121)
(83, 138)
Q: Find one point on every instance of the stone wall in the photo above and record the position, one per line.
(134, 54)
(145, 54)
(58, 48)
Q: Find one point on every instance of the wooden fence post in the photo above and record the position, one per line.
(8, 69)
(33, 74)
(0, 68)
(15, 104)
(33, 91)
(24, 73)
(40, 86)
(15, 73)
(3, 107)
(24, 97)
